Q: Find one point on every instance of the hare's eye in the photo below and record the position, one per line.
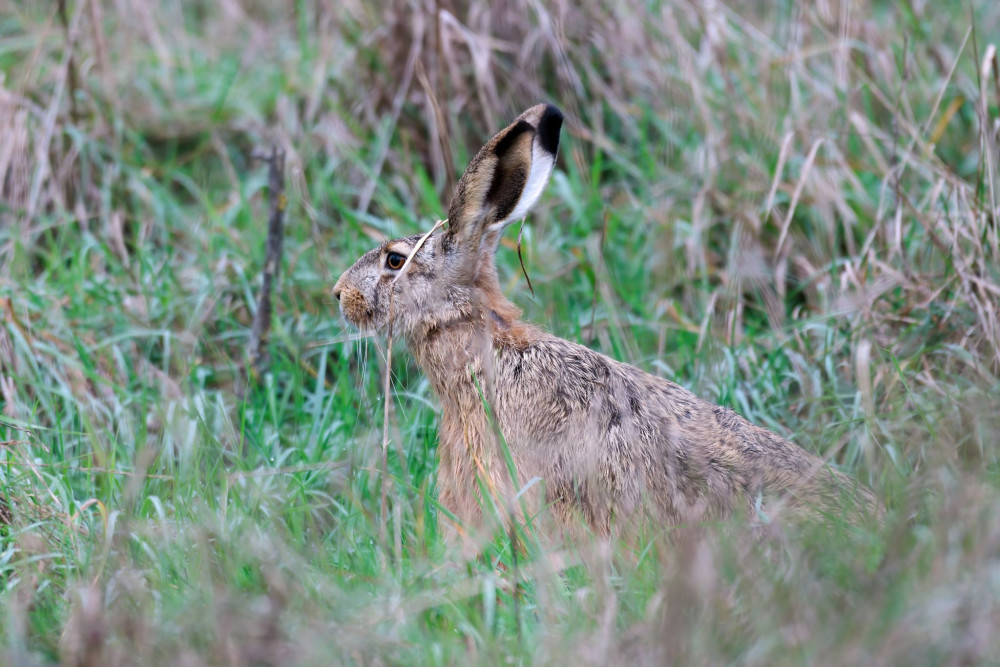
(395, 261)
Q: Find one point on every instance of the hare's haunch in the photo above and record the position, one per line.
(609, 442)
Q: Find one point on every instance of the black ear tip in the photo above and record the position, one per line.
(548, 128)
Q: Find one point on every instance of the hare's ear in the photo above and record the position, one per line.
(504, 180)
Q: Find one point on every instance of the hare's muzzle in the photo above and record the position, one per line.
(353, 305)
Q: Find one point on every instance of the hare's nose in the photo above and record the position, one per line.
(337, 289)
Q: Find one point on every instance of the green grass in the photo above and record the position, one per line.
(152, 516)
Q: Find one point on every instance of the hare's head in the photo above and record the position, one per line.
(441, 282)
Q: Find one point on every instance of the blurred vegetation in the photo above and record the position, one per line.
(790, 208)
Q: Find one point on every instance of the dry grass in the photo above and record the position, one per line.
(792, 210)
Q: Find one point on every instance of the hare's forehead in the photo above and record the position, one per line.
(404, 246)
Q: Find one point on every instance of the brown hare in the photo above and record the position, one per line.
(609, 442)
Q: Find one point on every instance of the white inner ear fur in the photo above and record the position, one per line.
(542, 164)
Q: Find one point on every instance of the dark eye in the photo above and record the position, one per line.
(395, 261)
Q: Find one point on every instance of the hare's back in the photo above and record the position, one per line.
(608, 430)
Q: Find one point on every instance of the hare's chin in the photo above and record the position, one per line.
(362, 319)
(364, 322)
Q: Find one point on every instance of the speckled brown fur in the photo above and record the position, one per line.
(611, 443)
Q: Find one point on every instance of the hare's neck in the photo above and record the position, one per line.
(451, 354)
